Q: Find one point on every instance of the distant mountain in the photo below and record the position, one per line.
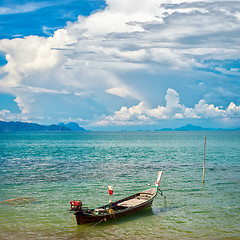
(25, 126)
(73, 126)
(165, 129)
(190, 127)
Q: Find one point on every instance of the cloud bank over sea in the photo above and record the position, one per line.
(129, 63)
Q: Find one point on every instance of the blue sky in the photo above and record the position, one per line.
(120, 64)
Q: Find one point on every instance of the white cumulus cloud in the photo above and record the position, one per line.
(173, 110)
(108, 59)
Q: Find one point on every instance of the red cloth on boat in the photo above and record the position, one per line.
(110, 190)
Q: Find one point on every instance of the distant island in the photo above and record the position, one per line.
(25, 126)
(73, 126)
(190, 127)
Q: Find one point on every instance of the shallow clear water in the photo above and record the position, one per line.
(54, 168)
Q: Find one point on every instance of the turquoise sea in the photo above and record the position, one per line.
(57, 167)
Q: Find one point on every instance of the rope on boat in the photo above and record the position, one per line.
(160, 191)
(112, 214)
(72, 218)
(164, 197)
(18, 201)
(97, 223)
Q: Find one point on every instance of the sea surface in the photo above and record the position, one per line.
(54, 168)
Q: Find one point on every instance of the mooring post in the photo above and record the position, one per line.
(204, 158)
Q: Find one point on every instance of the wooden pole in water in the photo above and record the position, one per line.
(204, 158)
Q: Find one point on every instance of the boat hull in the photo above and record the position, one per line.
(84, 218)
(123, 207)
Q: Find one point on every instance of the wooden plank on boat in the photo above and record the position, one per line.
(131, 202)
(149, 191)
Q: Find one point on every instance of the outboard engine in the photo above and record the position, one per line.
(76, 205)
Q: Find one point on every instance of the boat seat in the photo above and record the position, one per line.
(131, 202)
(147, 195)
(143, 198)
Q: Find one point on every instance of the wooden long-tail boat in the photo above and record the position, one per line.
(119, 208)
